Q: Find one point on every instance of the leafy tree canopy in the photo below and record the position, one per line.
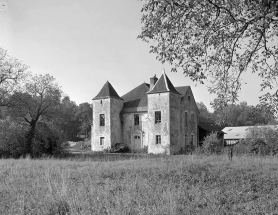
(12, 71)
(217, 40)
(36, 101)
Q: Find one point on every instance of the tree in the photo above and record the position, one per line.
(243, 115)
(66, 118)
(36, 102)
(12, 71)
(204, 112)
(217, 40)
(84, 115)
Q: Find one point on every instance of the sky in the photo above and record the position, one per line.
(84, 43)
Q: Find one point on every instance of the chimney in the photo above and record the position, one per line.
(153, 80)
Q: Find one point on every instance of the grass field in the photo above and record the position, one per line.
(162, 185)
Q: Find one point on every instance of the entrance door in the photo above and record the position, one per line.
(137, 142)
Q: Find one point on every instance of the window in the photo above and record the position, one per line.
(136, 119)
(101, 141)
(101, 120)
(158, 139)
(185, 118)
(192, 140)
(157, 117)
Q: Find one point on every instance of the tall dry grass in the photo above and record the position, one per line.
(163, 185)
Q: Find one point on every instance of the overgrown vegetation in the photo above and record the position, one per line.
(164, 185)
(36, 117)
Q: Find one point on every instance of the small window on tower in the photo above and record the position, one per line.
(101, 120)
(136, 119)
(158, 139)
(101, 141)
(157, 117)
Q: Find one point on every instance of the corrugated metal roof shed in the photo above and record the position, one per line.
(239, 132)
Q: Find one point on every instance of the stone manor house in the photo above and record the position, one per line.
(158, 116)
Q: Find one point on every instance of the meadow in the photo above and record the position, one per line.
(183, 184)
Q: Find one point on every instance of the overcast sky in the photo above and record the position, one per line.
(84, 43)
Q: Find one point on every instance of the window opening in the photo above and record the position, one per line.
(158, 139)
(101, 141)
(101, 120)
(136, 119)
(157, 117)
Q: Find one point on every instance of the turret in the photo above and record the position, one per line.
(106, 128)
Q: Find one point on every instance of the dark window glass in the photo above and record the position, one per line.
(158, 139)
(136, 119)
(101, 120)
(157, 117)
(101, 141)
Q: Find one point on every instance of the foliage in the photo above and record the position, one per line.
(84, 115)
(262, 140)
(12, 141)
(241, 148)
(243, 115)
(218, 41)
(120, 148)
(212, 144)
(66, 120)
(12, 72)
(204, 112)
(35, 102)
(46, 142)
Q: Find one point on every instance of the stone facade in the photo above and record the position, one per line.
(158, 116)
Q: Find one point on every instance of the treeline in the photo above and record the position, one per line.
(238, 115)
(36, 117)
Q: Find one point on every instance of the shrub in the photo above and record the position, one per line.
(47, 141)
(144, 150)
(12, 139)
(13, 136)
(241, 148)
(120, 148)
(212, 144)
(262, 140)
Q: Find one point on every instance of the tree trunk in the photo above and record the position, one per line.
(29, 138)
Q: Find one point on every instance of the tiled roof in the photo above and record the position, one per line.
(182, 90)
(136, 100)
(163, 85)
(107, 91)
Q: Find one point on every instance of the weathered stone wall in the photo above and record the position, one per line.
(129, 129)
(159, 102)
(190, 107)
(101, 106)
(116, 105)
(175, 122)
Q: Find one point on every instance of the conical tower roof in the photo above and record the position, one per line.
(107, 91)
(163, 85)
